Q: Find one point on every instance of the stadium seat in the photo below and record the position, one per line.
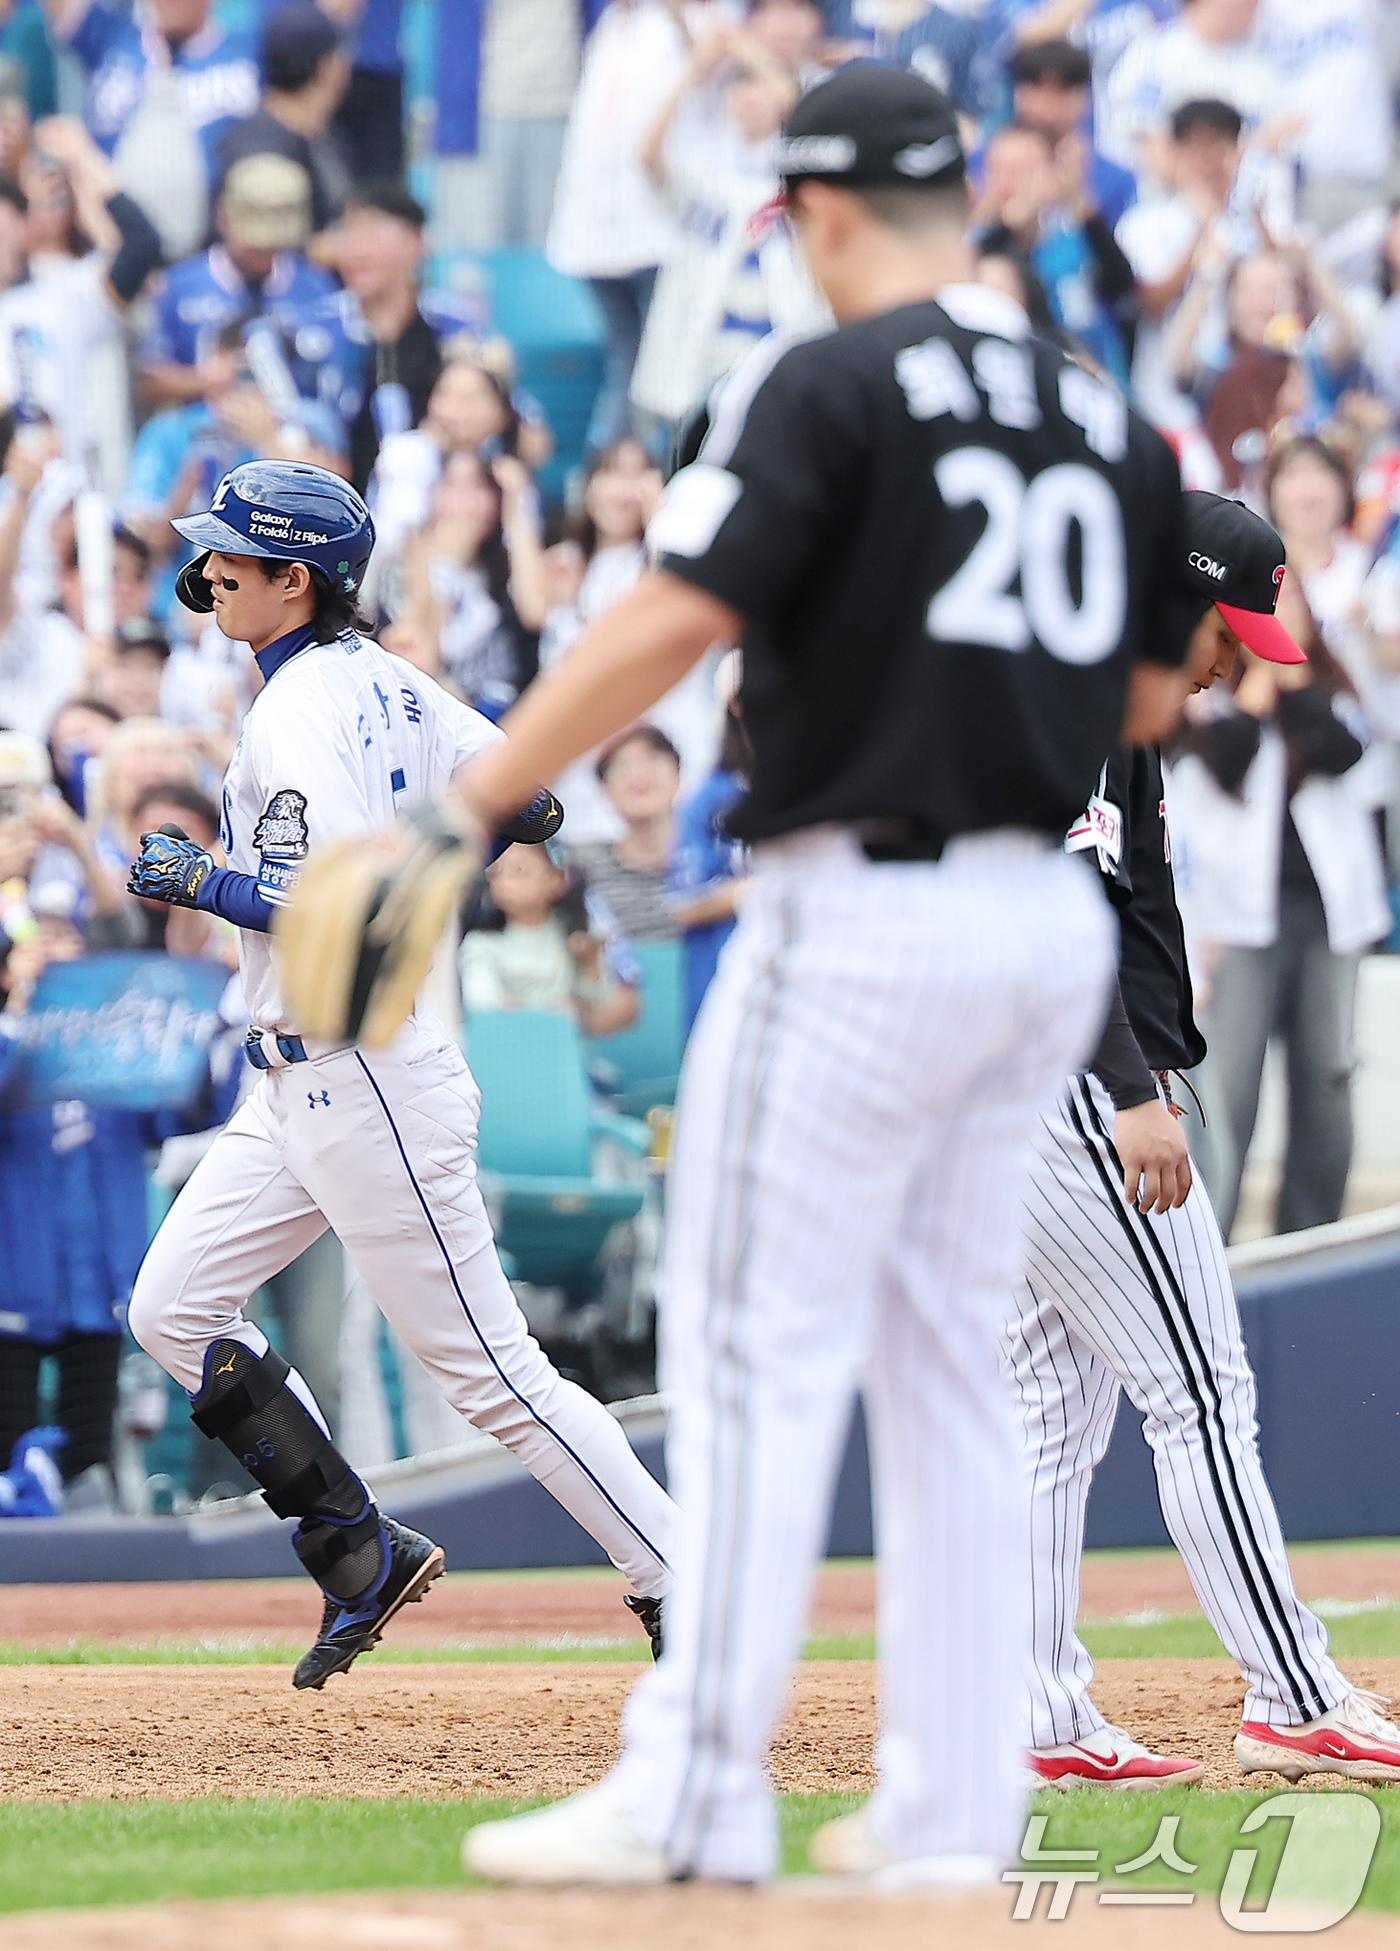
(540, 1125)
(639, 1067)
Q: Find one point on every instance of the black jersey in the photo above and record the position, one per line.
(1126, 826)
(949, 543)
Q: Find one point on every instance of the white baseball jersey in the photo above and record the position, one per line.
(342, 738)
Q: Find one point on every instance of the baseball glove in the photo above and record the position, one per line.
(363, 926)
(171, 868)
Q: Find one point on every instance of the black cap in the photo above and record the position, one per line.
(870, 124)
(1236, 561)
(295, 40)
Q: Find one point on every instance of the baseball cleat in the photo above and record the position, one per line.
(848, 1847)
(649, 1612)
(1113, 1759)
(1353, 1739)
(584, 1839)
(350, 1627)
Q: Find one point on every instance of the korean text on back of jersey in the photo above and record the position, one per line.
(949, 542)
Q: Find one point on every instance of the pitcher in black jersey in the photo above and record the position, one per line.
(952, 555)
(1127, 1290)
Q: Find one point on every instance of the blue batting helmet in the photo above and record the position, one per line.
(287, 510)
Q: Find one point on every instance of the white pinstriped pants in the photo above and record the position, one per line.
(853, 1139)
(1115, 1299)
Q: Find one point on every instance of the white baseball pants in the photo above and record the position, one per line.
(381, 1145)
(1116, 1299)
(853, 1140)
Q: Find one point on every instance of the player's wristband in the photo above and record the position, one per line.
(198, 874)
(236, 898)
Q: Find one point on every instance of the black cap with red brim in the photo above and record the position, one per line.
(1236, 561)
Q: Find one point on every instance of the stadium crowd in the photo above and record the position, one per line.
(213, 254)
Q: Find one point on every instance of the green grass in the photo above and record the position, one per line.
(260, 1652)
(1357, 1632)
(139, 1852)
(105, 1852)
(251, 1652)
(1122, 1828)
(1177, 1636)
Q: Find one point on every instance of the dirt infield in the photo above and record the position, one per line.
(493, 1608)
(500, 1729)
(406, 1730)
(689, 1917)
(466, 1729)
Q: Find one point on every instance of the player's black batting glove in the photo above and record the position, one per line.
(538, 821)
(171, 868)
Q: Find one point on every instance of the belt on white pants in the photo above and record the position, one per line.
(891, 842)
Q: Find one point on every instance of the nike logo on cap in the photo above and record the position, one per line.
(927, 158)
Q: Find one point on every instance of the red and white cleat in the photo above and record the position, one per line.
(1113, 1759)
(1354, 1739)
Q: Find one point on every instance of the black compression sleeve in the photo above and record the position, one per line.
(1118, 1062)
(139, 252)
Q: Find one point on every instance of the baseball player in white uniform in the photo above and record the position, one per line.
(1127, 1290)
(380, 1146)
(884, 515)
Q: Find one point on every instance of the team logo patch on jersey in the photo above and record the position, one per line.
(1100, 827)
(281, 832)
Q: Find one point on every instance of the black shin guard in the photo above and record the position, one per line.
(247, 1404)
